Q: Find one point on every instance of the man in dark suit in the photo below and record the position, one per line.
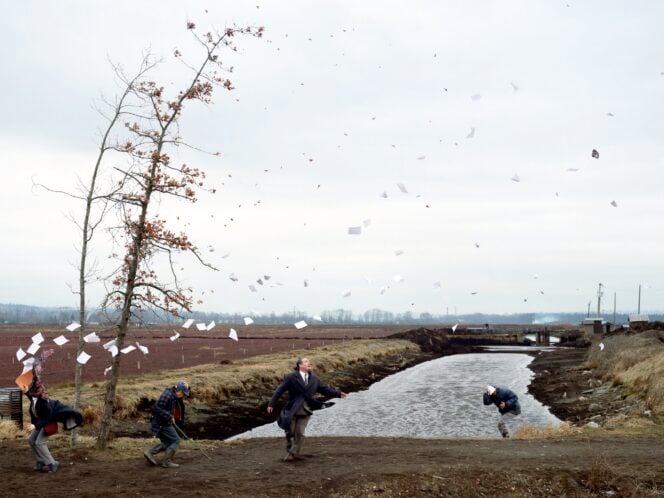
(302, 385)
(507, 403)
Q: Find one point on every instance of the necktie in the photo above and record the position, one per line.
(306, 379)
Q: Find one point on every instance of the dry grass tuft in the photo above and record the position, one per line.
(551, 431)
(9, 430)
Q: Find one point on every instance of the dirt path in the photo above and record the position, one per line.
(356, 467)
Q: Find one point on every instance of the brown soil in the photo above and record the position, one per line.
(350, 467)
(573, 392)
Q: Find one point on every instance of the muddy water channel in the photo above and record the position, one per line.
(439, 398)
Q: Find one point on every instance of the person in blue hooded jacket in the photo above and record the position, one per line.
(507, 403)
(302, 385)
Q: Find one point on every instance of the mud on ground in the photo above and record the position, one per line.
(352, 467)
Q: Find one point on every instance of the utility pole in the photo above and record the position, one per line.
(599, 299)
(614, 309)
(638, 312)
(588, 314)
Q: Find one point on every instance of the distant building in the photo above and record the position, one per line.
(635, 320)
(595, 325)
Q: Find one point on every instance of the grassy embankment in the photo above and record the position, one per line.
(214, 383)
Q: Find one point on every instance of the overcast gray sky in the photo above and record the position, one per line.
(450, 99)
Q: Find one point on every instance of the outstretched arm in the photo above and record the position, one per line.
(277, 394)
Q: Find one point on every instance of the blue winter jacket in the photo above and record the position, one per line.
(502, 394)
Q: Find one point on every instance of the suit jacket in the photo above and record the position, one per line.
(43, 411)
(511, 400)
(298, 393)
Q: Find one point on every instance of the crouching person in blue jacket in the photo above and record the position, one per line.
(507, 403)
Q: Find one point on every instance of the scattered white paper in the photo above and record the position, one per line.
(38, 338)
(174, 337)
(92, 337)
(346, 294)
(572, 170)
(317, 318)
(128, 349)
(60, 340)
(248, 321)
(233, 277)
(252, 288)
(306, 283)
(201, 326)
(20, 354)
(601, 346)
(402, 187)
(113, 350)
(475, 97)
(382, 290)
(300, 325)
(26, 369)
(28, 363)
(226, 255)
(472, 133)
(233, 335)
(73, 326)
(437, 285)
(516, 178)
(614, 204)
(354, 230)
(383, 195)
(110, 344)
(595, 154)
(454, 327)
(107, 369)
(421, 158)
(398, 252)
(398, 278)
(143, 349)
(366, 222)
(188, 323)
(514, 87)
(33, 348)
(83, 358)
(210, 325)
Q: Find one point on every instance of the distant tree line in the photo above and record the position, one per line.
(35, 315)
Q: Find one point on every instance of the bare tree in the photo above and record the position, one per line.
(148, 176)
(92, 219)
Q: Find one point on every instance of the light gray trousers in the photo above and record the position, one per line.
(507, 422)
(296, 434)
(39, 445)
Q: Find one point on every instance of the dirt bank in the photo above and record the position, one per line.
(350, 467)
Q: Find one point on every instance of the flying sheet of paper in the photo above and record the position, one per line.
(174, 337)
(83, 358)
(601, 346)
(73, 326)
(346, 294)
(354, 230)
(60, 340)
(402, 187)
(128, 349)
(248, 321)
(92, 337)
(300, 325)
(33, 348)
(252, 288)
(437, 285)
(454, 327)
(317, 318)
(20, 354)
(210, 325)
(38, 338)
(398, 278)
(26, 369)
(233, 277)
(398, 252)
(188, 323)
(201, 326)
(113, 349)
(106, 370)
(366, 222)
(143, 349)
(233, 335)
(109, 344)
